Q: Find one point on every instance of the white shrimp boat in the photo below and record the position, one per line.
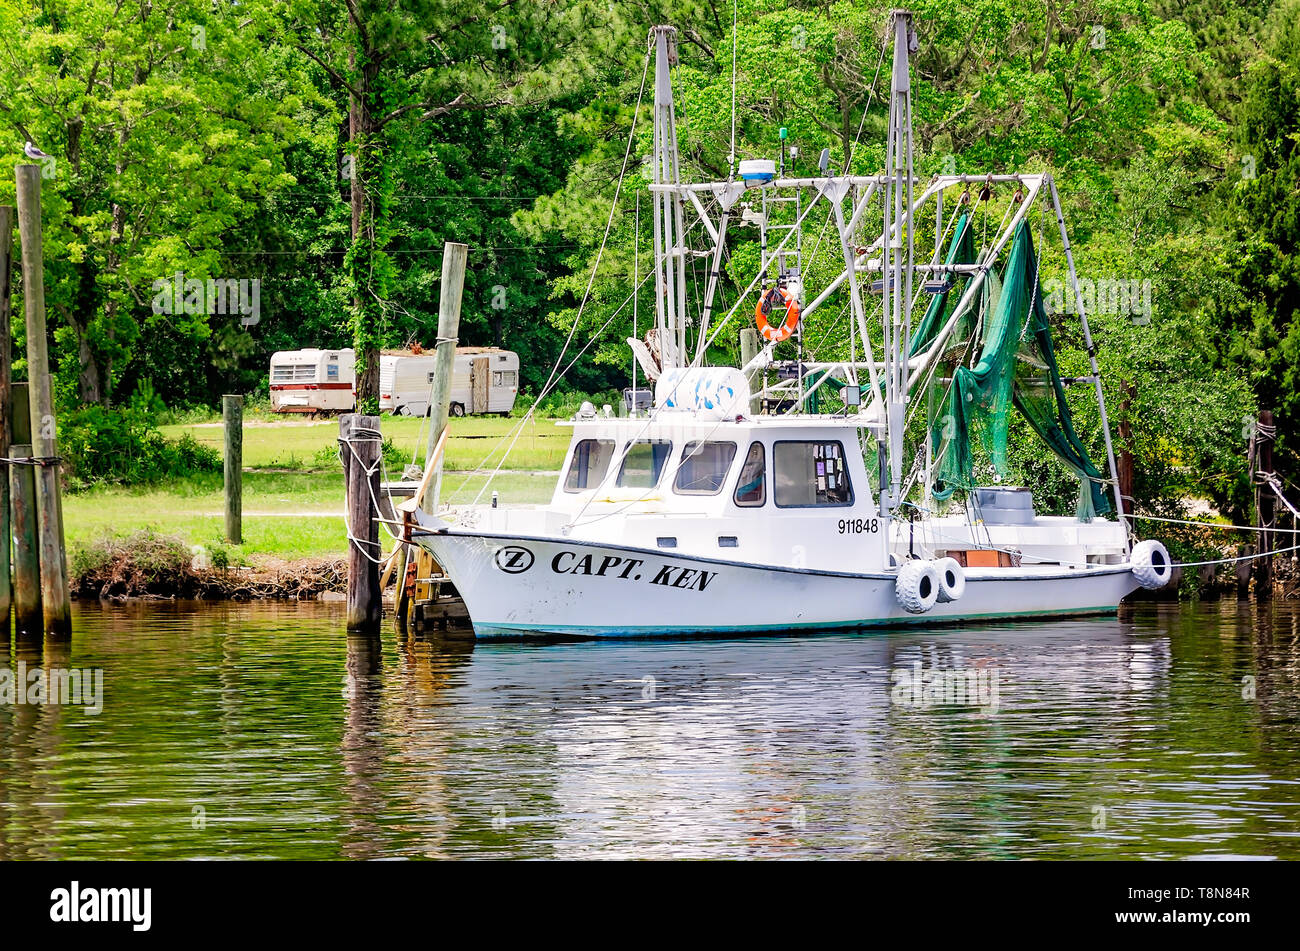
(736, 506)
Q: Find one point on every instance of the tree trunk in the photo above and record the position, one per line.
(368, 218)
(1124, 461)
(90, 388)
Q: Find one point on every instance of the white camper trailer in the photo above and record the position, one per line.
(313, 381)
(484, 380)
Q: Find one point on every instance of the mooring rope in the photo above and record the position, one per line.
(366, 435)
(1220, 525)
(31, 460)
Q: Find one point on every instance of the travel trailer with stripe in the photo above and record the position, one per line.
(484, 380)
(313, 381)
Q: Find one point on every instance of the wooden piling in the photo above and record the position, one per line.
(360, 447)
(453, 286)
(748, 351)
(1265, 507)
(6, 428)
(232, 413)
(56, 597)
(28, 620)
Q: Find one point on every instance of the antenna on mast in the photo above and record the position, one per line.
(669, 240)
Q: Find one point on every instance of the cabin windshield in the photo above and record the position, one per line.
(751, 488)
(810, 473)
(590, 462)
(704, 467)
(643, 463)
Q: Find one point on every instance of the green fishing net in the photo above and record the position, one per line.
(1013, 363)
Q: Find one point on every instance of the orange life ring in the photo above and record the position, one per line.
(767, 304)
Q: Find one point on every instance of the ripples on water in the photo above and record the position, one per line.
(263, 731)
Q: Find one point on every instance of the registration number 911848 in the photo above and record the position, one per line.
(858, 526)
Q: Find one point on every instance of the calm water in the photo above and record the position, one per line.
(262, 731)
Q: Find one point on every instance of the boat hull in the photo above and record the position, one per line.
(519, 586)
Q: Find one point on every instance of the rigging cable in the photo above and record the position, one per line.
(586, 296)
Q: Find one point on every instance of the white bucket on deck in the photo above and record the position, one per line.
(712, 392)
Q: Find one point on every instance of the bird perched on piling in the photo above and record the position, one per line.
(31, 151)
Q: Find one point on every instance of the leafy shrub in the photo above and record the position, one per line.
(563, 405)
(326, 457)
(188, 415)
(141, 564)
(123, 444)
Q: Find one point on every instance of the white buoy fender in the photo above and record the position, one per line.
(1151, 564)
(917, 587)
(952, 580)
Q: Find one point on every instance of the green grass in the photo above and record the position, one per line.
(287, 515)
(475, 442)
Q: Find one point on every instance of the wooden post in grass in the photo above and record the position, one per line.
(6, 428)
(748, 351)
(232, 413)
(359, 445)
(22, 490)
(453, 285)
(55, 595)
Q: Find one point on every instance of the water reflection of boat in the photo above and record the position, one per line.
(709, 516)
(689, 749)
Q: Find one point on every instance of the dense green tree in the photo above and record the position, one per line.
(1262, 321)
(167, 127)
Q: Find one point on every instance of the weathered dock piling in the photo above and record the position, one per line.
(435, 601)
(6, 429)
(453, 287)
(359, 446)
(28, 620)
(56, 596)
(232, 414)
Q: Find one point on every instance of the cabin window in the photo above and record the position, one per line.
(811, 473)
(704, 468)
(643, 463)
(751, 489)
(503, 378)
(332, 371)
(590, 461)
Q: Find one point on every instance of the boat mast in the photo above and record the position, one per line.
(897, 263)
(669, 239)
